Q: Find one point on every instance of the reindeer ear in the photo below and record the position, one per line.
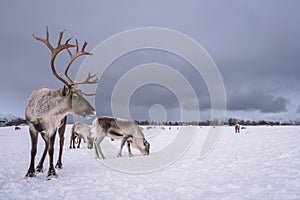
(65, 91)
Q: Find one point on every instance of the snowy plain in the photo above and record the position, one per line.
(262, 162)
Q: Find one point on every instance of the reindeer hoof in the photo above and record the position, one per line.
(130, 155)
(30, 174)
(39, 169)
(49, 177)
(58, 166)
(51, 174)
(119, 155)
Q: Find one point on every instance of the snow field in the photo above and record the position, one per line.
(261, 162)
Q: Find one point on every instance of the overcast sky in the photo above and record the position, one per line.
(255, 45)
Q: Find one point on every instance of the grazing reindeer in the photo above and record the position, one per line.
(47, 108)
(237, 128)
(79, 131)
(119, 129)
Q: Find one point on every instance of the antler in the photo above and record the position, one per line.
(73, 57)
(66, 79)
(88, 80)
(55, 51)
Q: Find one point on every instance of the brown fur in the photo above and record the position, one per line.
(237, 128)
(47, 108)
(126, 130)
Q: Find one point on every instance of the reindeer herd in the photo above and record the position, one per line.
(128, 131)
(47, 109)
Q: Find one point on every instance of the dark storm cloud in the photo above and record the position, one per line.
(257, 100)
(255, 44)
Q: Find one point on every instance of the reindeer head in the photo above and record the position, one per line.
(146, 149)
(84, 132)
(79, 105)
(90, 142)
(142, 144)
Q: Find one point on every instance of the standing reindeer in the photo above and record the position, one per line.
(237, 128)
(47, 108)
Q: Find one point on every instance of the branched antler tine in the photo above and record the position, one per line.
(92, 76)
(39, 39)
(55, 51)
(73, 57)
(47, 34)
(88, 80)
(45, 41)
(76, 45)
(60, 37)
(67, 69)
(69, 51)
(65, 46)
(96, 80)
(84, 45)
(86, 94)
(68, 40)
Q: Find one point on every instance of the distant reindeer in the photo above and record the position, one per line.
(78, 131)
(47, 108)
(126, 130)
(237, 128)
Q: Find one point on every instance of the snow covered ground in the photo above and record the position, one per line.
(259, 163)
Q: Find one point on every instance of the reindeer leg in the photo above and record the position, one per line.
(79, 140)
(71, 141)
(34, 139)
(39, 168)
(72, 138)
(75, 137)
(98, 151)
(129, 150)
(51, 171)
(61, 132)
(122, 145)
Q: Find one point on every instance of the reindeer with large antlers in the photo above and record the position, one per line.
(47, 108)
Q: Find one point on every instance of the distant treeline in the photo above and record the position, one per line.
(14, 122)
(230, 122)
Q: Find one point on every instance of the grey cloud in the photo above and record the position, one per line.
(257, 100)
(255, 44)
